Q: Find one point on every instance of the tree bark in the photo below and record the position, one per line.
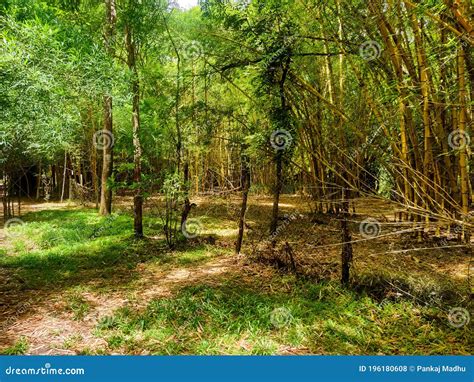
(137, 155)
(107, 165)
(462, 130)
(277, 191)
(245, 193)
(346, 255)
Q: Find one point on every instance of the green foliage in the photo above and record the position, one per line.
(19, 348)
(174, 194)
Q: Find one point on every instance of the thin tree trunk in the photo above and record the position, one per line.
(245, 193)
(277, 191)
(107, 166)
(64, 177)
(279, 154)
(346, 255)
(38, 185)
(137, 155)
(462, 128)
(107, 161)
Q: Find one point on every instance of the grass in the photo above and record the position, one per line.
(72, 247)
(77, 305)
(18, 348)
(317, 319)
(67, 253)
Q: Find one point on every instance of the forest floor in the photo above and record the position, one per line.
(75, 283)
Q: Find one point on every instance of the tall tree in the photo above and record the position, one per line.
(107, 161)
(131, 47)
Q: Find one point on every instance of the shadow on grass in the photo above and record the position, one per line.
(63, 249)
(58, 250)
(310, 319)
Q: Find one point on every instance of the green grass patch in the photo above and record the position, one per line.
(76, 251)
(19, 348)
(314, 318)
(74, 247)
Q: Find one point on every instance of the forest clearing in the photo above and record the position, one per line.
(236, 177)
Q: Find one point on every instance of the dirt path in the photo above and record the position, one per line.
(50, 329)
(43, 318)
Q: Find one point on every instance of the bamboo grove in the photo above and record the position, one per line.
(334, 99)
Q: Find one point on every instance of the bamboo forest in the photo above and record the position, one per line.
(236, 177)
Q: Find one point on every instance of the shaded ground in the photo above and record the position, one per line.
(71, 282)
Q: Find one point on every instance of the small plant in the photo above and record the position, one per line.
(78, 305)
(19, 348)
(173, 190)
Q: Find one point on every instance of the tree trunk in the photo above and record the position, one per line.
(64, 177)
(282, 120)
(137, 155)
(107, 166)
(277, 191)
(38, 180)
(107, 161)
(462, 131)
(245, 193)
(346, 255)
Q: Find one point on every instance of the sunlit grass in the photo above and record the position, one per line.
(322, 319)
(77, 251)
